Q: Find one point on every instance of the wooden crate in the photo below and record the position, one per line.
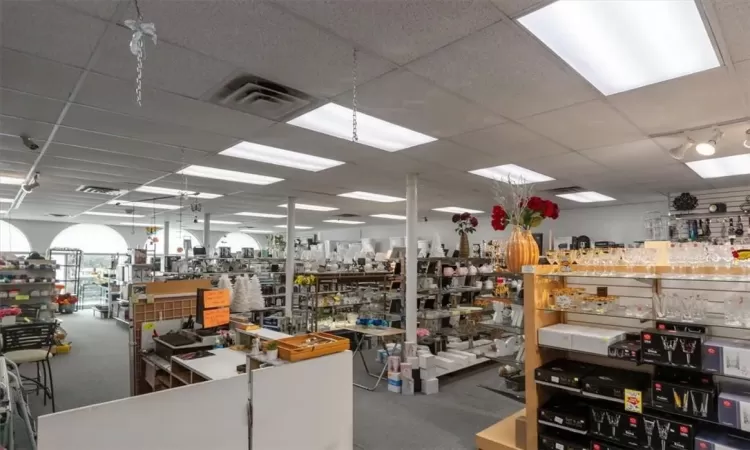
(295, 349)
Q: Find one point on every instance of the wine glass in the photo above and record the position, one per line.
(553, 258)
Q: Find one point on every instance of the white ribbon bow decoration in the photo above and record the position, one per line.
(139, 30)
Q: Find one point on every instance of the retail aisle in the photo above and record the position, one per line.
(97, 371)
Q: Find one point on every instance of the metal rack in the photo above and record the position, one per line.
(33, 296)
(69, 271)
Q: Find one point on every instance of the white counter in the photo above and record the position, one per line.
(218, 367)
(265, 334)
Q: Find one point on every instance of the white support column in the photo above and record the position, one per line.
(165, 238)
(207, 233)
(411, 257)
(290, 222)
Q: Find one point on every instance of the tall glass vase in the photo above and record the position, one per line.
(463, 246)
(522, 250)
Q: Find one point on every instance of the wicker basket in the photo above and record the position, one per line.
(298, 348)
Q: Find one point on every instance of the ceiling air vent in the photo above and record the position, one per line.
(565, 190)
(260, 97)
(99, 190)
(57, 215)
(346, 215)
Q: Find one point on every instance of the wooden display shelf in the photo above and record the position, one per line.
(502, 435)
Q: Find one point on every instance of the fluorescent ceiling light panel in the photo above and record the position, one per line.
(177, 192)
(143, 204)
(516, 173)
(265, 215)
(457, 210)
(228, 175)
(97, 213)
(252, 230)
(389, 216)
(336, 120)
(344, 222)
(296, 227)
(619, 45)
(722, 167)
(586, 197)
(280, 157)
(6, 200)
(309, 207)
(359, 195)
(11, 180)
(222, 222)
(142, 224)
(3, 211)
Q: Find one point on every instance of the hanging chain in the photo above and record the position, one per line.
(355, 136)
(137, 48)
(139, 76)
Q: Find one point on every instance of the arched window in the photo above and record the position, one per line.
(13, 240)
(176, 240)
(238, 241)
(91, 238)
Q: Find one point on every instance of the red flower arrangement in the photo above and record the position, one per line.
(531, 212)
(465, 223)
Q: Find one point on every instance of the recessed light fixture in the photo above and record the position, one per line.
(280, 157)
(515, 173)
(11, 180)
(296, 227)
(143, 204)
(336, 120)
(389, 216)
(722, 167)
(108, 214)
(359, 195)
(255, 214)
(344, 222)
(142, 224)
(622, 45)
(457, 210)
(6, 200)
(253, 230)
(176, 192)
(222, 222)
(586, 197)
(228, 175)
(309, 207)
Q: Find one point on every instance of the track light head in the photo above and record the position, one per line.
(709, 148)
(28, 187)
(680, 151)
(746, 143)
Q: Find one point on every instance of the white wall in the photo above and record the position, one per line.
(622, 224)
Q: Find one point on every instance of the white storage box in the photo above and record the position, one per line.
(426, 374)
(430, 386)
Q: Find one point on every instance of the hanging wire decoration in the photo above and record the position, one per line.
(140, 29)
(355, 137)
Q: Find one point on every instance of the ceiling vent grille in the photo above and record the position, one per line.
(57, 215)
(346, 215)
(99, 190)
(565, 190)
(260, 97)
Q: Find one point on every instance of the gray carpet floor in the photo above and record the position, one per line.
(96, 371)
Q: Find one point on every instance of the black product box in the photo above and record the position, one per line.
(682, 327)
(563, 373)
(551, 439)
(610, 384)
(602, 445)
(687, 393)
(617, 425)
(671, 348)
(668, 433)
(567, 413)
(627, 350)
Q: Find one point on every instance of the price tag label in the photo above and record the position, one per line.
(555, 379)
(559, 420)
(527, 269)
(150, 298)
(559, 446)
(22, 297)
(216, 298)
(633, 401)
(148, 326)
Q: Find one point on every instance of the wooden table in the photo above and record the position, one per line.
(501, 436)
(382, 333)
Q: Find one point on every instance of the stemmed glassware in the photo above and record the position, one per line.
(553, 258)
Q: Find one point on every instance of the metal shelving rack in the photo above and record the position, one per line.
(28, 295)
(70, 268)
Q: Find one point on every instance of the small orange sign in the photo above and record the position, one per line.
(215, 317)
(216, 298)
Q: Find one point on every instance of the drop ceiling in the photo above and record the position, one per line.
(464, 72)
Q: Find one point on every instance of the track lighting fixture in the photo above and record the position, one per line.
(746, 143)
(709, 148)
(28, 187)
(679, 151)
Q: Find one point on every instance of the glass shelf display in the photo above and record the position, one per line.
(653, 276)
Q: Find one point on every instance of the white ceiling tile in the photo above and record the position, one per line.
(399, 30)
(734, 16)
(696, 100)
(11, 128)
(169, 68)
(21, 157)
(35, 75)
(406, 99)
(119, 96)
(265, 40)
(515, 8)
(116, 160)
(643, 156)
(565, 166)
(586, 125)
(51, 31)
(88, 168)
(506, 70)
(121, 125)
(451, 155)
(103, 9)
(29, 106)
(510, 143)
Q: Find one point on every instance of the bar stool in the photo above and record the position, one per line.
(32, 343)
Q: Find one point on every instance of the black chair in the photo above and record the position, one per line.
(32, 343)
